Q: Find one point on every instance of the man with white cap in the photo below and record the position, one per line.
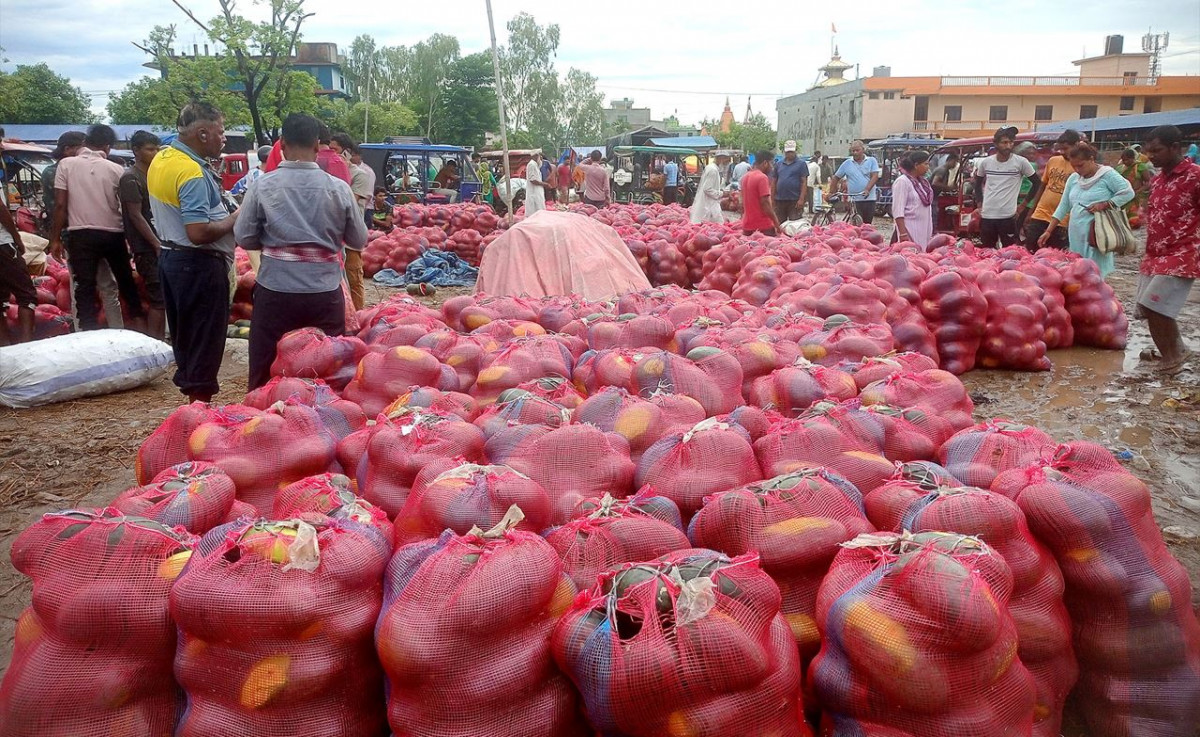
(789, 183)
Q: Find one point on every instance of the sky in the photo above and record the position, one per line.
(675, 58)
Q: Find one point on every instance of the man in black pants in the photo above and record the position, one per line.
(196, 235)
(997, 181)
(300, 218)
(86, 205)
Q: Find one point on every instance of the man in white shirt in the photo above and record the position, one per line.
(740, 169)
(997, 181)
(814, 180)
(535, 188)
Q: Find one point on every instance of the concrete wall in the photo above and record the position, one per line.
(1022, 109)
(1116, 66)
(825, 119)
(882, 117)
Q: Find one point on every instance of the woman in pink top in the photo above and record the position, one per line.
(912, 197)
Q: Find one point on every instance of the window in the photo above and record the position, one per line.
(1087, 111)
(1152, 105)
(853, 113)
(1130, 78)
(998, 113)
(889, 95)
(952, 113)
(921, 108)
(1126, 104)
(872, 95)
(1043, 112)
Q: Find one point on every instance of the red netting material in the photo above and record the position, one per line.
(168, 444)
(692, 644)
(396, 311)
(918, 638)
(607, 532)
(519, 407)
(329, 495)
(403, 444)
(842, 437)
(193, 495)
(979, 453)
(502, 331)
(912, 434)
(276, 623)
(795, 523)
(464, 638)
(1043, 625)
(877, 368)
(1016, 322)
(352, 450)
(613, 409)
(709, 375)
(382, 377)
(1135, 633)
(598, 369)
(311, 354)
(792, 390)
(427, 397)
(687, 466)
(340, 416)
(93, 654)
(523, 359)
(556, 389)
(267, 451)
(451, 494)
(463, 353)
(956, 310)
(938, 391)
(843, 340)
(572, 463)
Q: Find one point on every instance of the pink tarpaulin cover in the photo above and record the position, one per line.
(559, 253)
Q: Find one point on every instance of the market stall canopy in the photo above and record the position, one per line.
(583, 152)
(560, 253)
(1188, 119)
(663, 150)
(704, 142)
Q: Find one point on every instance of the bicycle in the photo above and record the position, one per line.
(825, 216)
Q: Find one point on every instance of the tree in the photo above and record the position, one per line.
(756, 134)
(359, 68)
(526, 64)
(35, 94)
(385, 119)
(468, 102)
(583, 108)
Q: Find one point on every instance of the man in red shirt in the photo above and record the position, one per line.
(758, 215)
(329, 160)
(1172, 260)
(564, 182)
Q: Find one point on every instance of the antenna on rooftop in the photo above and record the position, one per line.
(1154, 44)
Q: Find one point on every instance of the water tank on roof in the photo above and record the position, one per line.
(882, 72)
(1113, 45)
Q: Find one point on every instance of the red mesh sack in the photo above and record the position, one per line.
(572, 463)
(463, 353)
(192, 495)
(311, 354)
(267, 451)
(452, 495)
(92, 656)
(1043, 625)
(607, 532)
(523, 359)
(403, 443)
(1059, 332)
(612, 409)
(341, 416)
(603, 332)
(329, 495)
(680, 412)
(842, 437)
(482, 309)
(940, 392)
(792, 390)
(556, 389)
(709, 375)
(981, 452)
(754, 421)
(1097, 316)
(464, 638)
(843, 340)
(912, 434)
(918, 640)
(395, 312)
(1135, 633)
(519, 407)
(759, 356)
(887, 504)
(276, 624)
(795, 522)
(877, 368)
(598, 369)
(168, 444)
(502, 331)
(382, 377)
(956, 310)
(352, 450)
(427, 397)
(687, 466)
(690, 644)
(1016, 322)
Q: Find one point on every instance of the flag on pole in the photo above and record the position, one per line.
(833, 28)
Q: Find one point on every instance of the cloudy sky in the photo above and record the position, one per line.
(682, 58)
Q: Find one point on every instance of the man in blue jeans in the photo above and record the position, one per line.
(789, 182)
(671, 185)
(860, 173)
(196, 235)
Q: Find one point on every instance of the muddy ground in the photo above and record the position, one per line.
(81, 453)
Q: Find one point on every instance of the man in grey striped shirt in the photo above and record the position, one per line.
(299, 217)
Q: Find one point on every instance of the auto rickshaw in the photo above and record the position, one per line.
(887, 152)
(635, 164)
(407, 170)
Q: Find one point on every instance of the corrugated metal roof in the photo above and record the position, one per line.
(1190, 116)
(50, 133)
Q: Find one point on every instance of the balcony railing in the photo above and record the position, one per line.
(1046, 81)
(983, 126)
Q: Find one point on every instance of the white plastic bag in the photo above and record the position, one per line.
(79, 365)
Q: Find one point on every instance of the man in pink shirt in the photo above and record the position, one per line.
(87, 205)
(758, 215)
(596, 190)
(329, 160)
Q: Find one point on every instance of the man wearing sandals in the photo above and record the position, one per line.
(1172, 260)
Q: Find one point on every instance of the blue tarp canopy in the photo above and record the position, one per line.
(686, 142)
(50, 133)
(1180, 118)
(407, 148)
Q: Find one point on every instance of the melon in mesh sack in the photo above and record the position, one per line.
(687, 466)
(912, 434)
(556, 389)
(520, 407)
(795, 522)
(1043, 625)
(310, 353)
(607, 532)
(523, 359)
(572, 463)
(382, 377)
(842, 437)
(918, 639)
(93, 655)
(267, 451)
(463, 353)
(939, 391)
(1135, 634)
(793, 389)
(341, 416)
(611, 367)
(981, 452)
(329, 495)
(613, 409)
(709, 375)
(456, 495)
(876, 368)
(690, 644)
(427, 397)
(194, 495)
(402, 444)
(168, 444)
(276, 627)
(843, 340)
(464, 637)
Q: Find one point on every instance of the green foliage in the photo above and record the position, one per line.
(531, 91)
(35, 94)
(756, 134)
(468, 102)
(583, 108)
(384, 119)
